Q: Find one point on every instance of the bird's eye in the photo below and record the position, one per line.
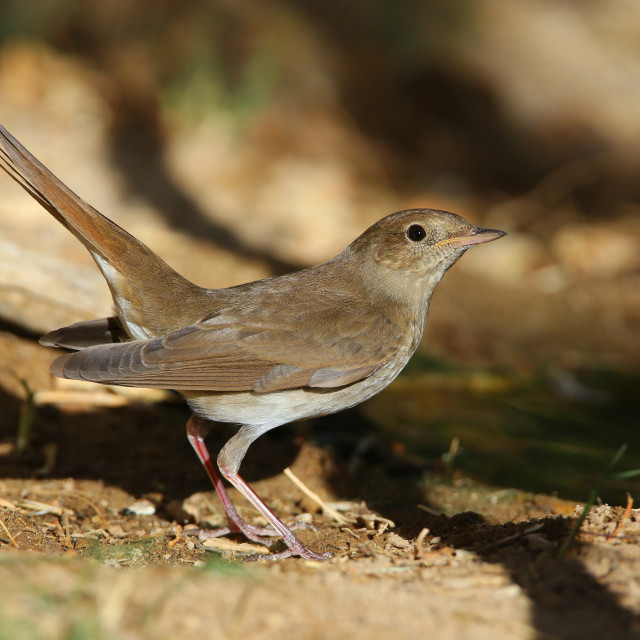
(416, 233)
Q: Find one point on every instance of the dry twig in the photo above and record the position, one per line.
(13, 540)
(623, 519)
(315, 497)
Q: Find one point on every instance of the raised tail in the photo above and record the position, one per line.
(150, 298)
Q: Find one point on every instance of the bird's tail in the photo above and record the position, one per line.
(150, 297)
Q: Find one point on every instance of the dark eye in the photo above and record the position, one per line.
(416, 233)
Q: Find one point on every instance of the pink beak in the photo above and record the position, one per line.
(476, 235)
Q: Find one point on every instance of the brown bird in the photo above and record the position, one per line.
(261, 354)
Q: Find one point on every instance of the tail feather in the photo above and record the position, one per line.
(85, 334)
(94, 230)
(140, 281)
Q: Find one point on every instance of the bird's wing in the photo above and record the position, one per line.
(322, 348)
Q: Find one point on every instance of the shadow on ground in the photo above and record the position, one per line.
(144, 450)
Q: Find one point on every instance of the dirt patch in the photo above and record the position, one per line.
(98, 546)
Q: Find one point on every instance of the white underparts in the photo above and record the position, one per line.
(123, 305)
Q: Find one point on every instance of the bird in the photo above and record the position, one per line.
(261, 354)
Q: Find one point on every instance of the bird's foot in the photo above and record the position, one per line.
(204, 534)
(251, 532)
(294, 551)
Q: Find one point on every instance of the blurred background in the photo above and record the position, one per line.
(241, 139)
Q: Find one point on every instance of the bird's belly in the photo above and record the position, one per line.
(279, 407)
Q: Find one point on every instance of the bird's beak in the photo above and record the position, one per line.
(476, 235)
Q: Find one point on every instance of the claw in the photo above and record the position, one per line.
(301, 552)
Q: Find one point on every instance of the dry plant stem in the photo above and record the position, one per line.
(418, 549)
(27, 415)
(516, 536)
(624, 518)
(13, 541)
(315, 497)
(79, 496)
(179, 537)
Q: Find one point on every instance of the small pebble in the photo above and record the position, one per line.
(141, 508)
(398, 541)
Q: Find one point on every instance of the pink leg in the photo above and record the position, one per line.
(228, 462)
(295, 547)
(197, 429)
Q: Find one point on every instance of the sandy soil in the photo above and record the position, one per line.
(93, 543)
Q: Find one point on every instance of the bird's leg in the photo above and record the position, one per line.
(197, 429)
(229, 462)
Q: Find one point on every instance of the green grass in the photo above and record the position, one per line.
(128, 554)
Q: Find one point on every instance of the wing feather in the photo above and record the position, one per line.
(226, 354)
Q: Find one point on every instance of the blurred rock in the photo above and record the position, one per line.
(141, 508)
(597, 250)
(41, 292)
(507, 262)
(549, 279)
(548, 46)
